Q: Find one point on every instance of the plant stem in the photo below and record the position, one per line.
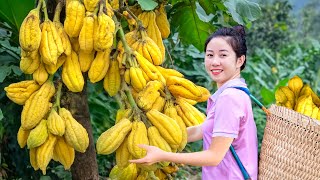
(57, 12)
(57, 102)
(44, 10)
(123, 39)
(119, 102)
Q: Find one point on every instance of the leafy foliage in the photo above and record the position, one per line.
(197, 19)
(273, 30)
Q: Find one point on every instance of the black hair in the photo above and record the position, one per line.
(235, 37)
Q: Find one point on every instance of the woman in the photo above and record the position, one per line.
(229, 115)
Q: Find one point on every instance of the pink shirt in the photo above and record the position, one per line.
(229, 114)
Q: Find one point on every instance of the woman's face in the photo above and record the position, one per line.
(221, 62)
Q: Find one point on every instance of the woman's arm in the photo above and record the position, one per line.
(194, 133)
(211, 157)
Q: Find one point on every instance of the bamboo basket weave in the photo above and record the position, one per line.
(290, 147)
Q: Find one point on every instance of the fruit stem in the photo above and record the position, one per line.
(44, 10)
(56, 17)
(57, 103)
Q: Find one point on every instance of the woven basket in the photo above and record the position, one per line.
(290, 147)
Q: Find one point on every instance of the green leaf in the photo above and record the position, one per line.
(191, 29)
(16, 70)
(211, 6)
(45, 178)
(14, 11)
(1, 115)
(4, 72)
(267, 96)
(147, 5)
(242, 10)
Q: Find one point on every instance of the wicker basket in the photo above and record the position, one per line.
(290, 147)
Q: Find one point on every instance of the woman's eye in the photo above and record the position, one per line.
(223, 55)
(209, 55)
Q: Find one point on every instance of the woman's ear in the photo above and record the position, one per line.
(240, 60)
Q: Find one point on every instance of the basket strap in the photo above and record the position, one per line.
(244, 172)
(254, 99)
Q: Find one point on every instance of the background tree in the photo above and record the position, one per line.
(202, 17)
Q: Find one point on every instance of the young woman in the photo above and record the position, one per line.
(229, 115)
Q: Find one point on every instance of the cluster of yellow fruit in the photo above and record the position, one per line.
(299, 97)
(160, 101)
(50, 132)
(157, 102)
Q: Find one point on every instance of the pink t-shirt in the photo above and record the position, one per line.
(229, 114)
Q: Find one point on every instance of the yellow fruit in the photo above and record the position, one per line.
(137, 80)
(63, 153)
(187, 84)
(37, 106)
(90, 4)
(22, 137)
(51, 69)
(180, 91)
(150, 50)
(147, 97)
(40, 75)
(55, 123)
(75, 14)
(128, 173)
(99, 66)
(30, 61)
(104, 31)
(305, 105)
(111, 139)
(112, 80)
(306, 90)
(159, 104)
(166, 72)
(38, 135)
(148, 19)
(86, 33)
(284, 94)
(33, 158)
(190, 111)
(171, 111)
(295, 84)
(168, 127)
(75, 134)
(30, 32)
(21, 91)
(156, 139)
(60, 29)
(138, 135)
(123, 114)
(44, 153)
(162, 21)
(150, 69)
(51, 45)
(188, 122)
(71, 73)
(123, 155)
(85, 60)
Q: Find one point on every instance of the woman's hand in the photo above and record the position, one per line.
(154, 155)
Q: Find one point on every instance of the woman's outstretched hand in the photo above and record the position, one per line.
(154, 155)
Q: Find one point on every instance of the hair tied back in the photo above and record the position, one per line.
(240, 29)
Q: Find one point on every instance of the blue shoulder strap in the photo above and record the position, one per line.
(254, 99)
(244, 172)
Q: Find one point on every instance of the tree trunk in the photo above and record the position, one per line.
(85, 164)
